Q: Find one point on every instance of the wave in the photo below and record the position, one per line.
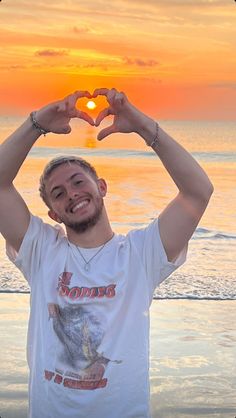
(14, 291)
(203, 233)
(200, 233)
(117, 153)
(155, 297)
(215, 156)
(210, 156)
(194, 297)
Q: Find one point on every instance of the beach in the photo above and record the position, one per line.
(192, 358)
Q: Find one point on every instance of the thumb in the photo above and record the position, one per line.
(67, 129)
(105, 132)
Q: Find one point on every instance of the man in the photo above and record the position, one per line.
(90, 288)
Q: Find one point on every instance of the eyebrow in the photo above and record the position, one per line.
(69, 179)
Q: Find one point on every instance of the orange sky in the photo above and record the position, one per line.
(174, 59)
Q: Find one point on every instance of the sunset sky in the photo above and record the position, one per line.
(174, 59)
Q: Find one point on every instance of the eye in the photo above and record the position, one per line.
(78, 182)
(58, 195)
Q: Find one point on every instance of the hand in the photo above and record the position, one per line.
(127, 118)
(56, 116)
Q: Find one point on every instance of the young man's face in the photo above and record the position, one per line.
(75, 198)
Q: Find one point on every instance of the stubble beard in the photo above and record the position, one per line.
(82, 226)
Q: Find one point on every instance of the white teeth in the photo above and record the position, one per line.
(79, 206)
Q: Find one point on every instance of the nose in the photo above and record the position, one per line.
(71, 193)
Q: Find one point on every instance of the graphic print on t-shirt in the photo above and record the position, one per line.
(79, 334)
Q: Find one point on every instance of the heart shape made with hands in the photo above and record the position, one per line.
(112, 105)
(55, 117)
(92, 106)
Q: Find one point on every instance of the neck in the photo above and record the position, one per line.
(98, 235)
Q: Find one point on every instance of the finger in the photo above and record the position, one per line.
(105, 132)
(117, 99)
(100, 92)
(67, 129)
(72, 99)
(102, 115)
(66, 104)
(82, 93)
(61, 107)
(86, 117)
(111, 95)
(64, 129)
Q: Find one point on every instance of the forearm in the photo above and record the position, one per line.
(14, 150)
(187, 174)
(54, 117)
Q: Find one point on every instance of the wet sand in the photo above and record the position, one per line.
(192, 358)
(193, 350)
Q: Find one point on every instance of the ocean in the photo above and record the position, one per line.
(139, 189)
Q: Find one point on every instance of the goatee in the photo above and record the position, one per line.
(82, 226)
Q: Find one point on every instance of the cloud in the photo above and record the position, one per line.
(140, 62)
(183, 3)
(51, 53)
(80, 30)
(223, 85)
(12, 67)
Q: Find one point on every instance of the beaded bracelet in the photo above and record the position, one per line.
(156, 139)
(36, 124)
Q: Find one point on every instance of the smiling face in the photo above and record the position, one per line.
(75, 197)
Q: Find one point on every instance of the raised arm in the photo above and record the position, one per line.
(179, 219)
(55, 117)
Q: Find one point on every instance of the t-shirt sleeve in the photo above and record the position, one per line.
(31, 253)
(154, 257)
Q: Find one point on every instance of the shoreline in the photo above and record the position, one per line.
(155, 298)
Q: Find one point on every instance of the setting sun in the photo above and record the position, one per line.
(91, 105)
(156, 49)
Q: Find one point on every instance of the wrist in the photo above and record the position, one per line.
(36, 125)
(30, 129)
(150, 133)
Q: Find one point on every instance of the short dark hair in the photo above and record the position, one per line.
(56, 162)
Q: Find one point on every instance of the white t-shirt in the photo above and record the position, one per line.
(88, 336)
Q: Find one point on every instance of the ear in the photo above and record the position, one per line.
(54, 216)
(102, 187)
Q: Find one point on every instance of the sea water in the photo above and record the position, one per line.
(139, 189)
